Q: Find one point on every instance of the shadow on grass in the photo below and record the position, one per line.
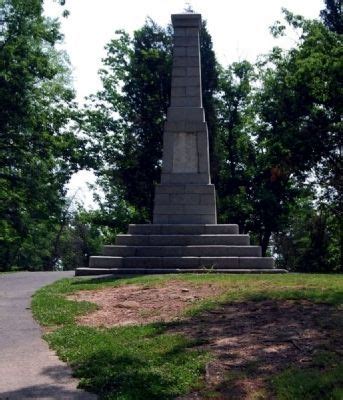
(140, 362)
(129, 378)
(266, 347)
(325, 383)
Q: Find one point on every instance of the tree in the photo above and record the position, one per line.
(310, 241)
(210, 86)
(235, 150)
(332, 15)
(126, 118)
(38, 148)
(80, 239)
(299, 108)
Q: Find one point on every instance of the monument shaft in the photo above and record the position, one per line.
(185, 194)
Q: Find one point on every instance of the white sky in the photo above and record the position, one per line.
(239, 30)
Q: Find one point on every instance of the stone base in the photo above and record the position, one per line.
(169, 248)
(150, 271)
(185, 204)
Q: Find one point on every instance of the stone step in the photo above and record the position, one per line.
(181, 262)
(140, 271)
(182, 229)
(182, 240)
(105, 262)
(179, 251)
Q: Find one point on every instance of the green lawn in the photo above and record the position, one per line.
(149, 362)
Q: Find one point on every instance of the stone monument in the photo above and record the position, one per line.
(184, 236)
(185, 194)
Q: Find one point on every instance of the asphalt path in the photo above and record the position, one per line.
(28, 368)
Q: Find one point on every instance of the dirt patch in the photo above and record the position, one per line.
(251, 341)
(134, 304)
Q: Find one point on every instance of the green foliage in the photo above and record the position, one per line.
(80, 239)
(277, 133)
(127, 116)
(235, 149)
(332, 15)
(38, 148)
(312, 240)
(210, 86)
(113, 217)
(298, 125)
(299, 105)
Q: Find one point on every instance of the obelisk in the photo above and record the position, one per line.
(185, 195)
(184, 236)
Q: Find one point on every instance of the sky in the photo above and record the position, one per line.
(239, 30)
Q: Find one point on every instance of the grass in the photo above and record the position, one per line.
(139, 362)
(148, 362)
(324, 380)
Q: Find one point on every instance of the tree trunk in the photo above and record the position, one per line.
(265, 242)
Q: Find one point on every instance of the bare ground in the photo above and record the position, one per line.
(134, 304)
(250, 341)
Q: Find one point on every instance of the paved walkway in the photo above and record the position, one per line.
(28, 369)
